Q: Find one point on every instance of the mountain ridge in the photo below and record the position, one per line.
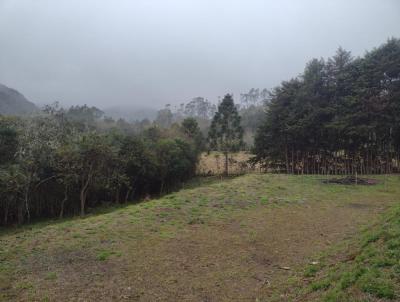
(12, 102)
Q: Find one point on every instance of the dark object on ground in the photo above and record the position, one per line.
(351, 180)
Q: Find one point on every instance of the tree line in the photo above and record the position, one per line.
(63, 162)
(341, 116)
(250, 108)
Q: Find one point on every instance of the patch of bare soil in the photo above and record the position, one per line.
(242, 259)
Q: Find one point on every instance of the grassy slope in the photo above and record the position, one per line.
(366, 268)
(225, 240)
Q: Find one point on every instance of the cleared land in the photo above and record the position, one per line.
(252, 238)
(213, 163)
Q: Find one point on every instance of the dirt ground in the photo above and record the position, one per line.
(242, 254)
(224, 263)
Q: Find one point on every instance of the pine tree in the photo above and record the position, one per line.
(341, 116)
(226, 133)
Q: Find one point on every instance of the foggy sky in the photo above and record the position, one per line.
(148, 53)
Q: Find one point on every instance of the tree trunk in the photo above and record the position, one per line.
(83, 197)
(226, 164)
(292, 161)
(63, 203)
(287, 159)
(128, 193)
(20, 213)
(6, 213)
(117, 195)
(83, 201)
(84, 189)
(162, 187)
(26, 199)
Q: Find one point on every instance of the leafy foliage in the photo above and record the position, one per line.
(63, 162)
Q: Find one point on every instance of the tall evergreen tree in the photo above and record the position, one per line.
(339, 116)
(226, 133)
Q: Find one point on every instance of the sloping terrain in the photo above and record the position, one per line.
(365, 268)
(14, 103)
(249, 238)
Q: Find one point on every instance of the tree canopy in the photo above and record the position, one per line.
(342, 115)
(63, 162)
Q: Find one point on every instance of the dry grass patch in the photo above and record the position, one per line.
(213, 163)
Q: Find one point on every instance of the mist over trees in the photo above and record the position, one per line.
(198, 108)
(341, 116)
(251, 109)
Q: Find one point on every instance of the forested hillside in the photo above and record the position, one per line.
(14, 103)
(342, 115)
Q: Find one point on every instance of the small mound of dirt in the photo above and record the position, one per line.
(351, 180)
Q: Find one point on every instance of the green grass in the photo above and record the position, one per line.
(118, 235)
(311, 271)
(372, 271)
(104, 255)
(51, 276)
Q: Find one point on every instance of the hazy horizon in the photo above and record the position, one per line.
(143, 54)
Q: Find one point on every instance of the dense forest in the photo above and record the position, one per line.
(63, 162)
(341, 116)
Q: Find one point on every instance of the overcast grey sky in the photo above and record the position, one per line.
(153, 52)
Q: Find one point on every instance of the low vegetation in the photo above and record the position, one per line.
(364, 268)
(245, 238)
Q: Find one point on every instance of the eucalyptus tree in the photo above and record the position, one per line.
(90, 152)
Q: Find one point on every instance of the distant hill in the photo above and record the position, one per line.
(13, 102)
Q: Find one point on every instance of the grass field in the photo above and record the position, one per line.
(258, 237)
